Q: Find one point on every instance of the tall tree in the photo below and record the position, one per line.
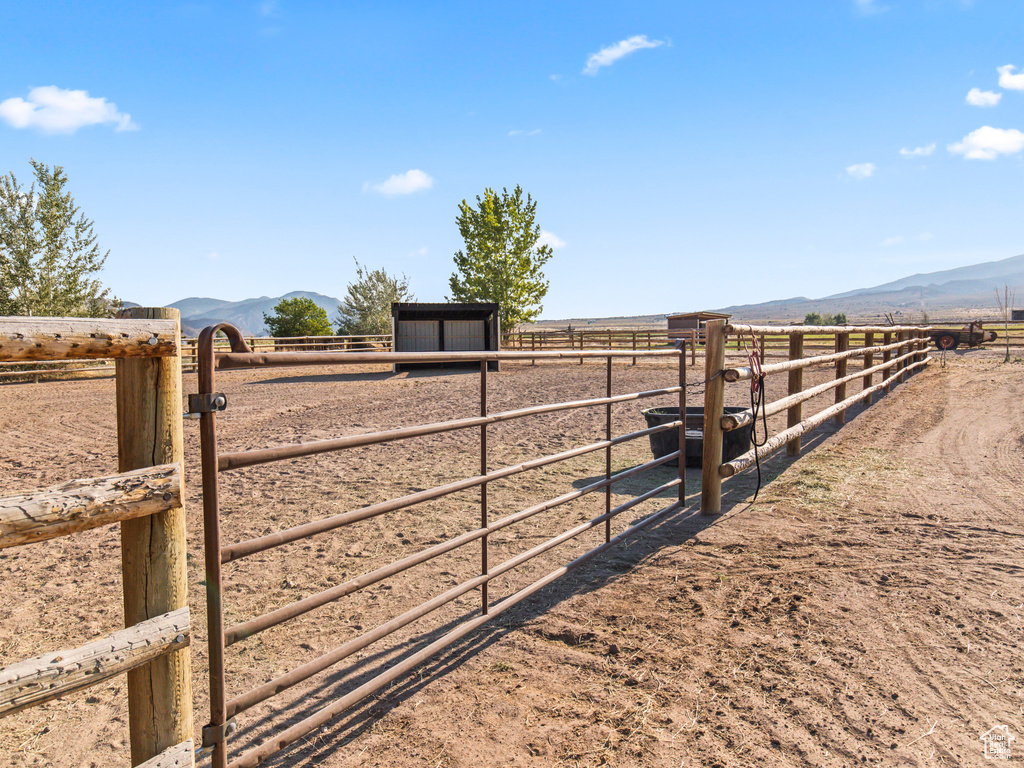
(502, 260)
(366, 308)
(298, 317)
(48, 251)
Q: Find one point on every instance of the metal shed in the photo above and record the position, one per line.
(687, 320)
(418, 327)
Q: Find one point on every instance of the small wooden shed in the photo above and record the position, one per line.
(688, 320)
(420, 327)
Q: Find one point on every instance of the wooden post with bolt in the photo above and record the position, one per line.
(869, 360)
(842, 345)
(714, 404)
(796, 385)
(153, 548)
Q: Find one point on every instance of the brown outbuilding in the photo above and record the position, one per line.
(697, 320)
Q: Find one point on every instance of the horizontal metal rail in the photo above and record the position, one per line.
(283, 682)
(229, 360)
(276, 743)
(249, 628)
(217, 555)
(288, 535)
(236, 460)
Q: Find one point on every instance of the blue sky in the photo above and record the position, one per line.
(683, 155)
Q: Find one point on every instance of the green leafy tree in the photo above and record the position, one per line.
(48, 251)
(366, 308)
(816, 318)
(298, 317)
(502, 260)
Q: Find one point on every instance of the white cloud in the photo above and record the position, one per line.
(550, 238)
(979, 98)
(861, 170)
(517, 132)
(419, 252)
(1008, 80)
(918, 151)
(58, 110)
(869, 7)
(924, 237)
(608, 56)
(987, 143)
(402, 183)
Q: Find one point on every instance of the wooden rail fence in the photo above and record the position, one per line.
(771, 345)
(903, 351)
(145, 498)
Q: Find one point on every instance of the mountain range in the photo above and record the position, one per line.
(246, 315)
(964, 291)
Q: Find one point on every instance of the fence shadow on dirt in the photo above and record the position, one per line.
(597, 574)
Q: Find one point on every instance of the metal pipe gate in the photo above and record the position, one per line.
(208, 402)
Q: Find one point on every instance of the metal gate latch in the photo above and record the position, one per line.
(214, 734)
(209, 402)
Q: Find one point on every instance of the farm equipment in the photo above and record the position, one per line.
(972, 335)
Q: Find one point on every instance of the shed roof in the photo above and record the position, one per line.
(703, 315)
(442, 311)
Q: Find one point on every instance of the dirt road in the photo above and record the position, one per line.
(866, 609)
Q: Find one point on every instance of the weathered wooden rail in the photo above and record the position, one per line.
(902, 351)
(146, 500)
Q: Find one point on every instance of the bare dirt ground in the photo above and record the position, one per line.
(866, 609)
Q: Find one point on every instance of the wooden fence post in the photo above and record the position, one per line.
(153, 548)
(886, 357)
(714, 403)
(796, 385)
(842, 345)
(869, 360)
(901, 350)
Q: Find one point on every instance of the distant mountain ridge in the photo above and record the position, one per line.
(960, 292)
(1004, 271)
(246, 315)
(963, 290)
(946, 292)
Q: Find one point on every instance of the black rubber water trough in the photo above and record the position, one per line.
(736, 442)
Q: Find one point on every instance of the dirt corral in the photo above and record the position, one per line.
(866, 609)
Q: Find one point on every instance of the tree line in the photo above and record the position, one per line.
(501, 263)
(50, 258)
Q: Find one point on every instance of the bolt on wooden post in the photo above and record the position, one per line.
(714, 405)
(796, 385)
(153, 548)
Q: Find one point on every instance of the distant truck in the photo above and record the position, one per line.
(971, 335)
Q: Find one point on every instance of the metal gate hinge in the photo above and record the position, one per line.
(209, 402)
(214, 734)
